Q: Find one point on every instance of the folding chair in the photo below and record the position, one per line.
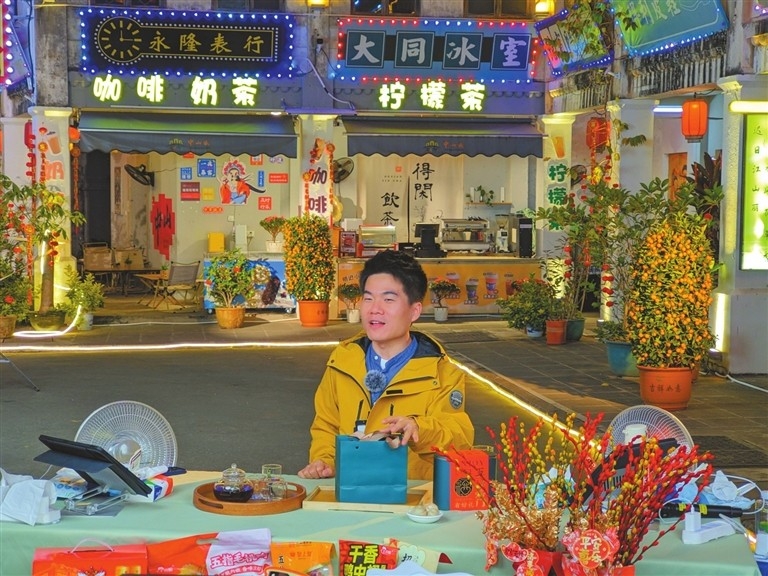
(181, 278)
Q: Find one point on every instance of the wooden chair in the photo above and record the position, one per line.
(181, 278)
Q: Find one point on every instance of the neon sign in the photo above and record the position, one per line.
(455, 50)
(186, 42)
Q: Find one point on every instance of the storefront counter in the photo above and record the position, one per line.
(481, 279)
(457, 534)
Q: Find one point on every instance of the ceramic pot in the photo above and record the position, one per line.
(353, 316)
(574, 329)
(228, 318)
(7, 326)
(621, 361)
(441, 314)
(556, 331)
(274, 246)
(667, 388)
(531, 333)
(313, 313)
(48, 322)
(86, 321)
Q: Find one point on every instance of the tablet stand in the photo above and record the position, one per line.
(5, 360)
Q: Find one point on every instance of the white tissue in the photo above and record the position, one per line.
(24, 499)
(723, 491)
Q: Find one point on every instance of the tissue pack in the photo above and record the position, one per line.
(161, 487)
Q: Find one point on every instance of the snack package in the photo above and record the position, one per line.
(240, 552)
(425, 557)
(303, 557)
(358, 557)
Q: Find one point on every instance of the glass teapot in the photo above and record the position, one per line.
(233, 486)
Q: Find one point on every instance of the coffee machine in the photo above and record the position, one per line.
(502, 233)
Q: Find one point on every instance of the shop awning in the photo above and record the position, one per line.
(181, 133)
(451, 136)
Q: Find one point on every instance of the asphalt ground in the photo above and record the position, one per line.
(245, 395)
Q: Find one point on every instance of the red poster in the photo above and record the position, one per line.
(278, 178)
(265, 202)
(190, 191)
(163, 225)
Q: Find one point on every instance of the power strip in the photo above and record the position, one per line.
(697, 533)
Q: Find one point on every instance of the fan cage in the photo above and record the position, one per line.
(132, 420)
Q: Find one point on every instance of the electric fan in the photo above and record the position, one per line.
(659, 423)
(135, 434)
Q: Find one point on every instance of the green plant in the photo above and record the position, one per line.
(668, 316)
(15, 291)
(309, 265)
(350, 294)
(486, 196)
(558, 309)
(603, 226)
(528, 306)
(38, 215)
(443, 289)
(84, 292)
(273, 225)
(228, 276)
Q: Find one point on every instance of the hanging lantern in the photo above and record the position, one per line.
(74, 134)
(597, 133)
(29, 135)
(694, 124)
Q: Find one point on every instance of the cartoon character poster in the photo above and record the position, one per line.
(234, 188)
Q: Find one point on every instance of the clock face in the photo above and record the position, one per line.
(119, 39)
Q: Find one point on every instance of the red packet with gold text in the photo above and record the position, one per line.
(359, 557)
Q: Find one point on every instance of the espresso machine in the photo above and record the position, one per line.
(502, 233)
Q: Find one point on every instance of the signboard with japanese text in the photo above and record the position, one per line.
(186, 42)
(447, 49)
(663, 25)
(754, 205)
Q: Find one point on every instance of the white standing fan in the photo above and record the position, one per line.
(659, 423)
(137, 435)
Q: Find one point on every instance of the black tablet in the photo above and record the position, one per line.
(97, 466)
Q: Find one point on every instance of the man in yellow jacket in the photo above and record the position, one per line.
(392, 379)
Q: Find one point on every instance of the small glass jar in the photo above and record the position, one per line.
(233, 486)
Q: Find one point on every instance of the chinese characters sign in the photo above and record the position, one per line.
(185, 43)
(661, 25)
(453, 50)
(558, 40)
(754, 208)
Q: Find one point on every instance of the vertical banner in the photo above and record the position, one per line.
(754, 206)
(317, 167)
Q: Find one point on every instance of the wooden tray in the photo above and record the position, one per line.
(204, 499)
(324, 498)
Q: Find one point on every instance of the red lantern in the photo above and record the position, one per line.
(29, 135)
(694, 124)
(597, 133)
(74, 134)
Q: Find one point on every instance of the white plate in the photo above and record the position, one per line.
(424, 519)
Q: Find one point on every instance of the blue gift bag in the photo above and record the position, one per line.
(370, 471)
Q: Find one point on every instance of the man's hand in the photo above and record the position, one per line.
(317, 469)
(405, 424)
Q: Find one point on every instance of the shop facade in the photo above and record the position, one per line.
(389, 121)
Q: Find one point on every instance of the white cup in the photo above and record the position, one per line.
(632, 431)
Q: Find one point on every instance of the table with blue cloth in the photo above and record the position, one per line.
(457, 534)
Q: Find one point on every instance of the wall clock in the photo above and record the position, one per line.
(119, 39)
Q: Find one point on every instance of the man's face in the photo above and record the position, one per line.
(386, 313)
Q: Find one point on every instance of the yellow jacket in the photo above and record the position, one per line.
(429, 387)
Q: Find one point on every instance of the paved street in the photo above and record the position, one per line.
(250, 400)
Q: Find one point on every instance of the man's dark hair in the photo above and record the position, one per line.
(402, 267)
